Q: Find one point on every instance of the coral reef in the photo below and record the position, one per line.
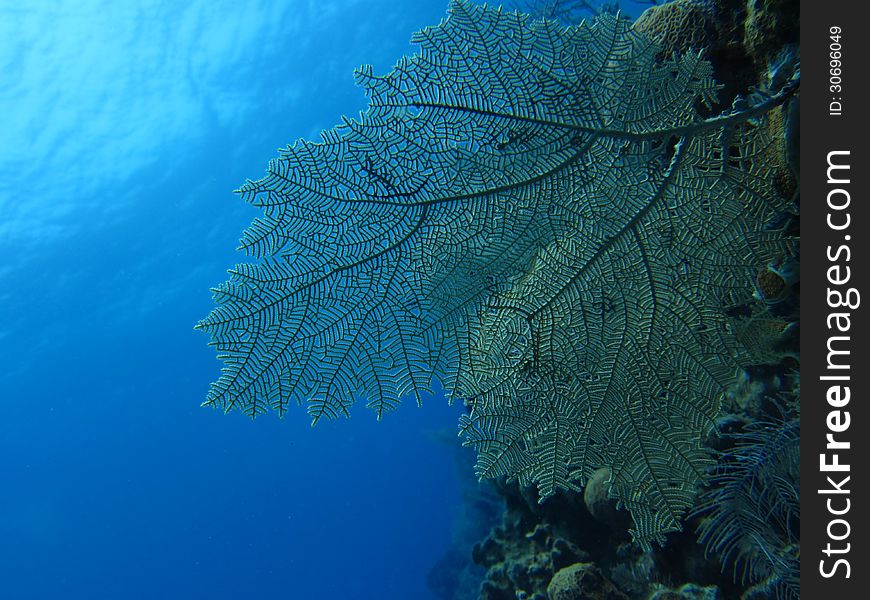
(535, 542)
(580, 232)
(524, 552)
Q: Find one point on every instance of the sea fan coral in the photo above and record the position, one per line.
(537, 216)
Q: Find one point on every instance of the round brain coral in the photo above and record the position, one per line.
(680, 25)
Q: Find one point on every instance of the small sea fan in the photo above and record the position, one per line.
(750, 512)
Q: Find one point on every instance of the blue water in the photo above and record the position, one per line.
(124, 128)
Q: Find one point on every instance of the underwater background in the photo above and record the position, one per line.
(125, 128)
